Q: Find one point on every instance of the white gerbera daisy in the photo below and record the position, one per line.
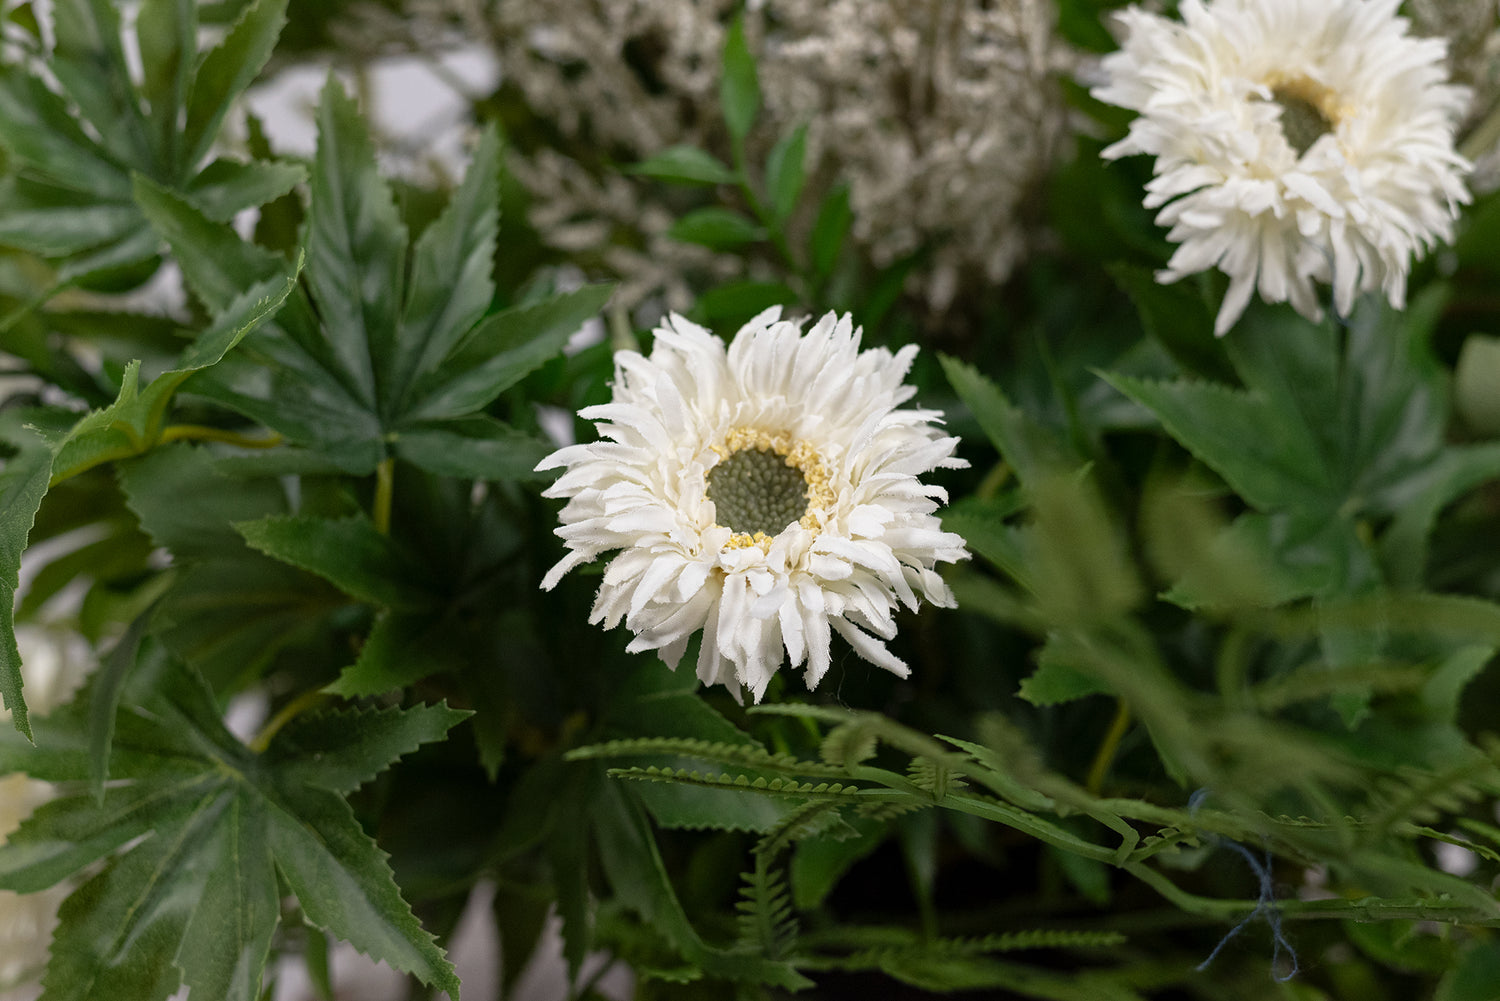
(766, 494)
(1295, 140)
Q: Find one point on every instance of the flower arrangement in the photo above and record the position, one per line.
(1042, 454)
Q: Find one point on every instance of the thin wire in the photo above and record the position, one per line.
(1265, 905)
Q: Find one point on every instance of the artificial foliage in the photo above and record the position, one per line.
(1212, 715)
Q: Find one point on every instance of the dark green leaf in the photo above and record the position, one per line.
(167, 35)
(451, 287)
(356, 247)
(503, 350)
(717, 228)
(739, 89)
(104, 700)
(475, 448)
(686, 165)
(202, 827)
(1180, 321)
(342, 750)
(347, 552)
(830, 229)
(401, 650)
(186, 505)
(1055, 682)
(1030, 449)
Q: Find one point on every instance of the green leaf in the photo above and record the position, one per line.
(451, 287)
(476, 448)
(347, 552)
(1030, 449)
(23, 484)
(685, 165)
(1474, 977)
(830, 229)
(717, 228)
(739, 89)
(1180, 321)
(401, 650)
(356, 248)
(226, 70)
(167, 36)
(1055, 682)
(198, 835)
(104, 700)
(341, 750)
(187, 505)
(786, 172)
(134, 422)
(226, 187)
(501, 351)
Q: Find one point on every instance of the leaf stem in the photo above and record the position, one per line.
(1108, 747)
(385, 485)
(307, 700)
(200, 432)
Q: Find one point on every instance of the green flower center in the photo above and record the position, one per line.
(1306, 111)
(757, 490)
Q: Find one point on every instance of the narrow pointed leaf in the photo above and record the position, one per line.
(342, 750)
(227, 70)
(475, 448)
(347, 552)
(451, 284)
(226, 187)
(503, 350)
(356, 246)
(23, 483)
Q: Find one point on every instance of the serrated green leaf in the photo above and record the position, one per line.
(226, 187)
(166, 34)
(347, 552)
(501, 351)
(199, 829)
(226, 70)
(717, 228)
(186, 505)
(1030, 449)
(1054, 681)
(451, 287)
(356, 247)
(401, 650)
(104, 693)
(1180, 321)
(786, 172)
(685, 165)
(341, 750)
(23, 484)
(739, 88)
(475, 448)
(88, 59)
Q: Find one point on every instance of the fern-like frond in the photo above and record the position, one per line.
(747, 755)
(719, 780)
(766, 918)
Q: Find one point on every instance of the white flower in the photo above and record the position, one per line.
(1295, 140)
(767, 495)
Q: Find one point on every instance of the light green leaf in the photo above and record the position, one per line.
(685, 165)
(830, 229)
(23, 484)
(1030, 449)
(167, 37)
(227, 70)
(1055, 682)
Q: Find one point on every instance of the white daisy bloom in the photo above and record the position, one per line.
(766, 494)
(1295, 141)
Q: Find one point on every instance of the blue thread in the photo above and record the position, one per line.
(1265, 903)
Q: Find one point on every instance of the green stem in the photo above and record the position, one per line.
(1105, 756)
(385, 485)
(199, 432)
(290, 711)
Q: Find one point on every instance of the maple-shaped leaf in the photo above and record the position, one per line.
(198, 834)
(131, 425)
(1339, 429)
(386, 350)
(77, 141)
